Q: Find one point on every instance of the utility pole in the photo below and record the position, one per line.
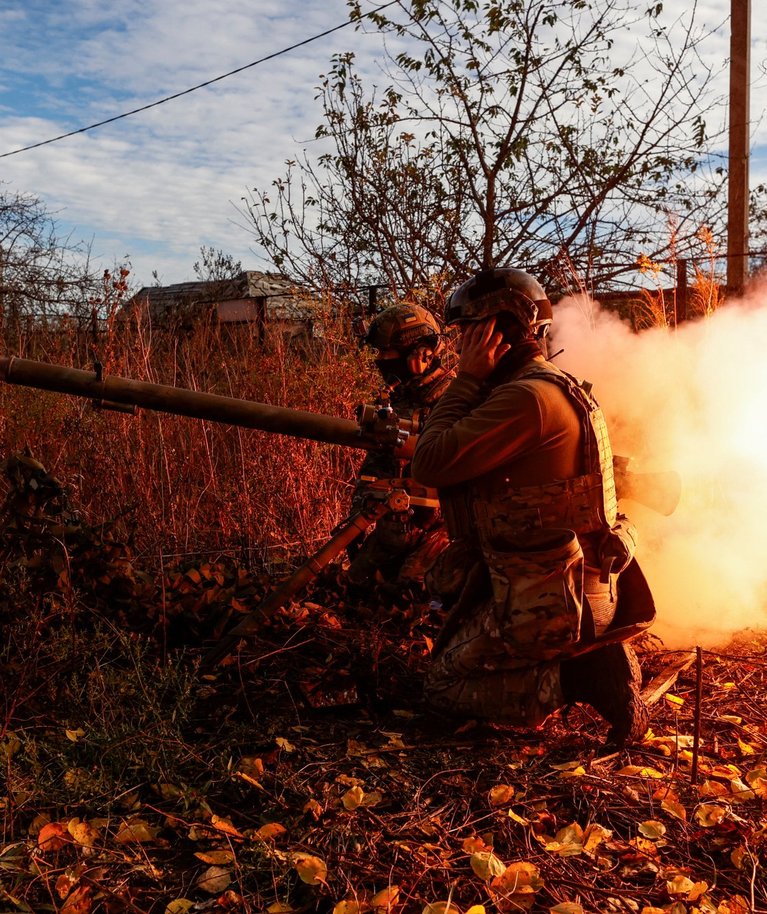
(737, 183)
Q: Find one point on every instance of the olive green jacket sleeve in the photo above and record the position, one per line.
(469, 433)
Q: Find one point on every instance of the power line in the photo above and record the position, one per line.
(208, 82)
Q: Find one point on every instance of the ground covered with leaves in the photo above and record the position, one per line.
(303, 774)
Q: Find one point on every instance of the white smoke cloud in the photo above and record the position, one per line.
(693, 399)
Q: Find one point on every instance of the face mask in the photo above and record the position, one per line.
(393, 371)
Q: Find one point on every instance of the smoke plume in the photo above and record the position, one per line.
(693, 399)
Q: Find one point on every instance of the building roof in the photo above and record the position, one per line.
(284, 300)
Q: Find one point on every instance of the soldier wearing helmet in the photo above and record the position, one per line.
(540, 569)
(407, 344)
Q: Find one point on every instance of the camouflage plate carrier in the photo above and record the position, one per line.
(545, 581)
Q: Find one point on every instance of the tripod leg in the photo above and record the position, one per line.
(308, 571)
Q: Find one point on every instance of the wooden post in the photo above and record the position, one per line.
(698, 713)
(738, 188)
(681, 291)
(260, 319)
(372, 300)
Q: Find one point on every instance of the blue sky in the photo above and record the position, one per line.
(157, 186)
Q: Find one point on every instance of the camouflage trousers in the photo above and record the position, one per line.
(519, 614)
(477, 675)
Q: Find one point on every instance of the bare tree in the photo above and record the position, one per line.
(40, 274)
(215, 264)
(564, 135)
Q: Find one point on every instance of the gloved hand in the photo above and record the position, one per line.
(617, 548)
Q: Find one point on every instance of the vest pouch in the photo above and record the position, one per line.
(447, 575)
(537, 586)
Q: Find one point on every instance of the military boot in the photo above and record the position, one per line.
(609, 679)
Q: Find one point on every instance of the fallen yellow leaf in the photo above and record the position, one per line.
(593, 836)
(757, 781)
(79, 901)
(712, 789)
(251, 765)
(224, 825)
(169, 791)
(355, 747)
(735, 905)
(372, 798)
(313, 808)
(745, 748)
(515, 888)
(474, 844)
(521, 820)
(679, 885)
(652, 829)
(640, 771)
(214, 880)
(709, 814)
(82, 832)
(486, 865)
(353, 798)
(697, 891)
(741, 793)
(179, 906)
(568, 841)
(136, 831)
(738, 856)
(501, 795)
(671, 803)
(311, 870)
(270, 831)
(386, 898)
(517, 876)
(215, 857)
(349, 906)
(441, 907)
(9, 745)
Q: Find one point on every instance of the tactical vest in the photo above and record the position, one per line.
(585, 504)
(539, 547)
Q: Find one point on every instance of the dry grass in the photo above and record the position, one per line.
(176, 485)
(135, 784)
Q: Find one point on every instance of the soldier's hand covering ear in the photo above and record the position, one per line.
(482, 348)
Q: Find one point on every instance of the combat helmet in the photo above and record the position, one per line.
(400, 328)
(502, 290)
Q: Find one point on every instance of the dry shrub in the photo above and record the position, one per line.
(657, 307)
(650, 309)
(177, 485)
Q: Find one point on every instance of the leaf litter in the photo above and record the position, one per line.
(303, 774)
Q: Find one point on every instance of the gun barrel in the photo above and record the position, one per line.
(182, 402)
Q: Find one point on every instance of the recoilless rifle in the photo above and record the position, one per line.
(376, 428)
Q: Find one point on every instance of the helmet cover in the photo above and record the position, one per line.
(502, 290)
(400, 328)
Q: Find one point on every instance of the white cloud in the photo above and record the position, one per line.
(159, 184)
